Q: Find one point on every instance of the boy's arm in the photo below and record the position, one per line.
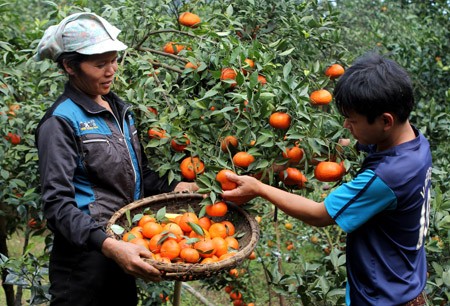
(299, 207)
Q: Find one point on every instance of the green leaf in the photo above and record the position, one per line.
(287, 70)
(117, 229)
(287, 52)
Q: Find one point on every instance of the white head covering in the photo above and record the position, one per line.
(85, 33)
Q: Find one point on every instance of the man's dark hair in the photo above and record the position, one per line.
(73, 60)
(374, 85)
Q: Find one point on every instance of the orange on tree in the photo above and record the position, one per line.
(334, 71)
(262, 79)
(234, 272)
(248, 62)
(189, 19)
(329, 171)
(156, 133)
(218, 209)
(235, 295)
(243, 159)
(173, 48)
(228, 143)
(226, 184)
(152, 110)
(14, 139)
(191, 167)
(320, 97)
(228, 74)
(179, 144)
(190, 65)
(228, 288)
(292, 176)
(280, 120)
(294, 154)
(252, 255)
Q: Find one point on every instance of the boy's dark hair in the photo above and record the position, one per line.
(374, 85)
(73, 60)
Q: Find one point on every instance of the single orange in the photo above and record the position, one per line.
(173, 48)
(294, 154)
(262, 79)
(334, 71)
(228, 74)
(184, 244)
(189, 19)
(218, 209)
(190, 255)
(205, 222)
(156, 133)
(154, 243)
(190, 65)
(233, 243)
(231, 229)
(170, 249)
(252, 255)
(218, 230)
(320, 97)
(220, 245)
(280, 120)
(180, 144)
(328, 171)
(234, 272)
(174, 229)
(228, 288)
(205, 247)
(292, 176)
(186, 218)
(235, 295)
(144, 219)
(140, 241)
(151, 228)
(224, 181)
(191, 167)
(243, 159)
(228, 143)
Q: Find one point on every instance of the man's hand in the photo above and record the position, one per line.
(129, 257)
(247, 189)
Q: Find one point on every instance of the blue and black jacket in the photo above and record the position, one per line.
(91, 164)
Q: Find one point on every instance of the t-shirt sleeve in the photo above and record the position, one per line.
(355, 202)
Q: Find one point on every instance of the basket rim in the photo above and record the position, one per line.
(174, 270)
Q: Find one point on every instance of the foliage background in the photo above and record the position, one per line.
(292, 42)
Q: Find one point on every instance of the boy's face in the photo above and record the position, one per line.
(366, 133)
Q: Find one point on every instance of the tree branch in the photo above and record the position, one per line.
(173, 56)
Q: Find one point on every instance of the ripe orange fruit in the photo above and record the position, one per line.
(243, 159)
(218, 209)
(191, 167)
(234, 272)
(154, 244)
(228, 288)
(204, 222)
(151, 228)
(230, 227)
(262, 80)
(186, 218)
(14, 139)
(190, 65)
(179, 144)
(224, 181)
(144, 219)
(156, 133)
(189, 19)
(229, 142)
(174, 229)
(233, 243)
(128, 236)
(294, 154)
(252, 255)
(190, 255)
(152, 110)
(205, 247)
(228, 74)
(249, 62)
(170, 249)
(140, 241)
(320, 97)
(235, 295)
(328, 171)
(173, 48)
(220, 245)
(334, 71)
(290, 247)
(280, 120)
(288, 226)
(292, 176)
(183, 243)
(218, 230)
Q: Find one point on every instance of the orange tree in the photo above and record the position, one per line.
(227, 74)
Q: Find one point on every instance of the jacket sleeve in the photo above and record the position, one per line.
(153, 183)
(58, 159)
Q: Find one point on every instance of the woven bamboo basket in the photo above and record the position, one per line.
(245, 225)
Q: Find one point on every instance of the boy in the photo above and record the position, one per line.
(384, 210)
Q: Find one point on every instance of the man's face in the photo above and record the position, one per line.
(366, 133)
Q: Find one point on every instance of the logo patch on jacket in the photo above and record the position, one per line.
(88, 125)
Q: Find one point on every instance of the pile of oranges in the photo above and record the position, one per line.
(186, 237)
